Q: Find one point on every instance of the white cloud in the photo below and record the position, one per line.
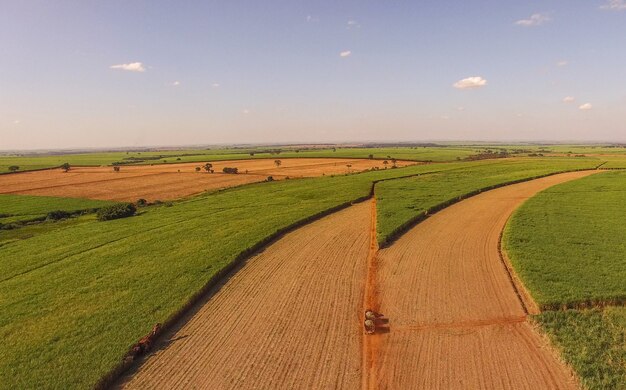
(585, 107)
(352, 24)
(470, 82)
(311, 19)
(16, 122)
(460, 108)
(562, 63)
(534, 20)
(215, 85)
(245, 111)
(175, 83)
(568, 99)
(615, 5)
(346, 53)
(132, 67)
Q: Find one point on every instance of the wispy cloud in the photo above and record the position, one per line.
(132, 67)
(568, 99)
(562, 63)
(346, 53)
(17, 122)
(585, 107)
(533, 20)
(470, 83)
(175, 83)
(245, 111)
(215, 85)
(311, 19)
(614, 5)
(352, 24)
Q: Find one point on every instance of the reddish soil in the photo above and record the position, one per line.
(457, 320)
(292, 317)
(169, 181)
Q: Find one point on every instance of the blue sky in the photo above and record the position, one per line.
(131, 73)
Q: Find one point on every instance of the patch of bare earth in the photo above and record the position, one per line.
(456, 318)
(290, 318)
(171, 181)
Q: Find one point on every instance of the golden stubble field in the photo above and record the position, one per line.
(172, 181)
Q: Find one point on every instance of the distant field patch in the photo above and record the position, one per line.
(172, 181)
(14, 208)
(402, 201)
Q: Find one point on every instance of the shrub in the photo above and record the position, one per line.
(57, 215)
(142, 202)
(230, 170)
(116, 168)
(270, 178)
(14, 168)
(121, 210)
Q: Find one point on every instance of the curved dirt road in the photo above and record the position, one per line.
(288, 319)
(456, 318)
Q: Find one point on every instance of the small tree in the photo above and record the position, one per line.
(14, 168)
(385, 162)
(371, 156)
(116, 168)
(394, 161)
(270, 178)
(198, 169)
(251, 154)
(277, 163)
(207, 167)
(65, 167)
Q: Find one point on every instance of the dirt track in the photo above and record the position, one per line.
(292, 316)
(288, 319)
(170, 181)
(456, 320)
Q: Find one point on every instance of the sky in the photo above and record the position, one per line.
(97, 74)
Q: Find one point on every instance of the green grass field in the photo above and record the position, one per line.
(593, 342)
(567, 243)
(401, 201)
(18, 208)
(94, 288)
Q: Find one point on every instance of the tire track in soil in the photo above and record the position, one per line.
(457, 319)
(370, 343)
(287, 319)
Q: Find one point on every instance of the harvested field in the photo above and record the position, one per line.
(169, 181)
(456, 318)
(290, 318)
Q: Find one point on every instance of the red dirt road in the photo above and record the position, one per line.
(456, 318)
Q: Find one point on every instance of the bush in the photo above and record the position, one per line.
(121, 210)
(57, 215)
(142, 202)
(270, 178)
(230, 170)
